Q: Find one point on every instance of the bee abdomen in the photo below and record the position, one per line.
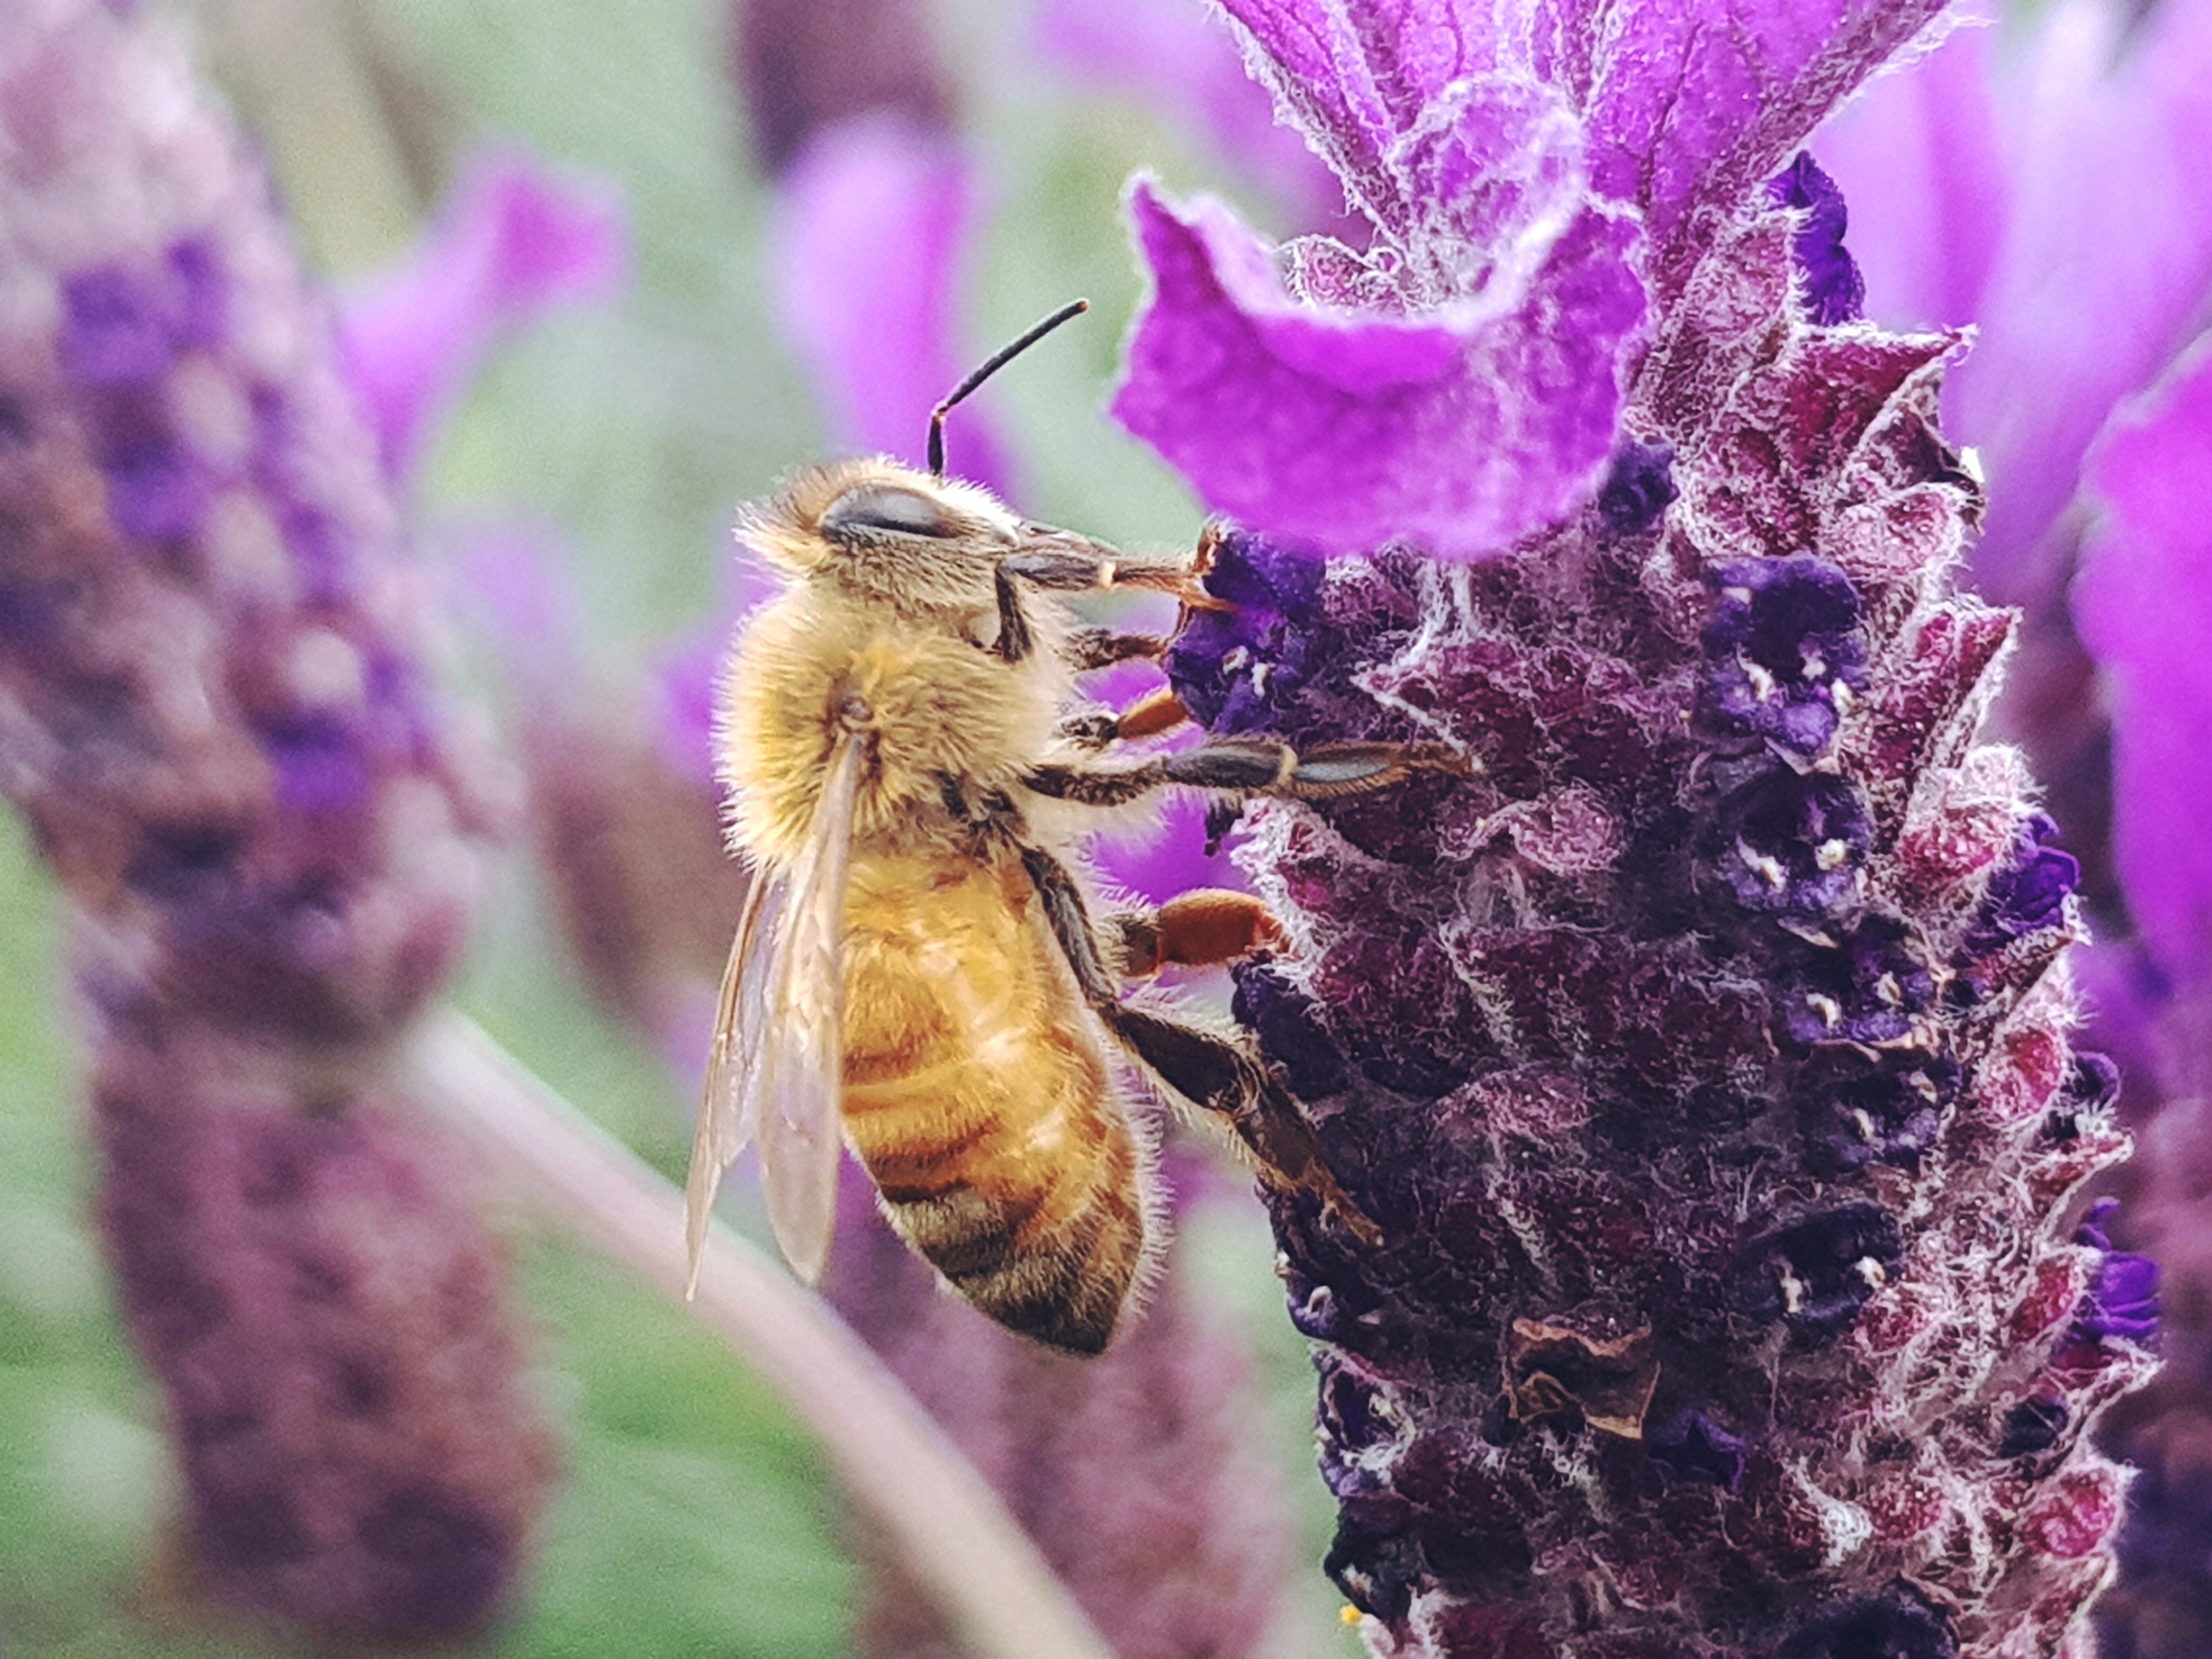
(1054, 1270)
(979, 1097)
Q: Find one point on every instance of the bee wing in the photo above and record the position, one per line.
(729, 1108)
(801, 1070)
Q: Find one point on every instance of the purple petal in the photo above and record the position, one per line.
(877, 335)
(2143, 603)
(1356, 84)
(1691, 107)
(512, 240)
(1682, 107)
(1459, 432)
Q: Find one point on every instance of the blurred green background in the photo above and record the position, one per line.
(693, 1518)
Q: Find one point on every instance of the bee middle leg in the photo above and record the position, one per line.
(1254, 766)
(1210, 1072)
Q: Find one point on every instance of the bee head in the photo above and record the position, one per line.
(888, 532)
(920, 541)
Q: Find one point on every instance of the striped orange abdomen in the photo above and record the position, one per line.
(978, 1096)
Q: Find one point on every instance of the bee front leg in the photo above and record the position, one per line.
(1210, 1072)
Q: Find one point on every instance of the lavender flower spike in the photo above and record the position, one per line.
(1704, 1057)
(212, 711)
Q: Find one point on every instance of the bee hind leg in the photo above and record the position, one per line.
(1160, 711)
(1210, 1072)
(1202, 928)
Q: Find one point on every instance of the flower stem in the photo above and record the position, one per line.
(968, 1554)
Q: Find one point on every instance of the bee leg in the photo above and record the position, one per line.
(1254, 766)
(1015, 641)
(1102, 648)
(1149, 716)
(1202, 928)
(993, 821)
(1096, 570)
(1209, 1071)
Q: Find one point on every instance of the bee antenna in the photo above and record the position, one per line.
(999, 360)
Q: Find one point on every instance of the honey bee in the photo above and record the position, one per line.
(919, 970)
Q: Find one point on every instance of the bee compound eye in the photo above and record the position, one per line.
(885, 506)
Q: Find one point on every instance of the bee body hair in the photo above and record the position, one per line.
(917, 973)
(980, 1097)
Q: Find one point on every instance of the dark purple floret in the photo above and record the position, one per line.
(1637, 488)
(2091, 1090)
(2122, 1299)
(1691, 1446)
(1783, 651)
(435, 1562)
(1374, 1563)
(1290, 1030)
(1816, 1275)
(1792, 844)
(125, 325)
(320, 767)
(1867, 988)
(2033, 1425)
(115, 332)
(1874, 1627)
(1890, 1117)
(2028, 895)
(1235, 669)
(1835, 292)
(154, 492)
(1356, 1420)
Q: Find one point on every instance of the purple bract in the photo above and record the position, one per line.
(1536, 180)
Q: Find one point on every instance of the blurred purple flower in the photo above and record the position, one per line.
(1535, 183)
(879, 335)
(512, 238)
(215, 711)
(1173, 56)
(802, 67)
(2144, 606)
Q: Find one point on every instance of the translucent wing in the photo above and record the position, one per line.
(729, 1108)
(802, 1072)
(776, 1069)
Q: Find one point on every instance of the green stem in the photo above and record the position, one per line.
(977, 1566)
